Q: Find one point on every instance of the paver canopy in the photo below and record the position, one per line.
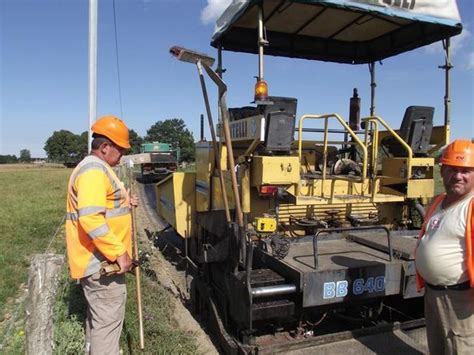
(358, 31)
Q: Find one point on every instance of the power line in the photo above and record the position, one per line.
(118, 62)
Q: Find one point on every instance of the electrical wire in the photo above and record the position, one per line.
(318, 322)
(118, 61)
(55, 234)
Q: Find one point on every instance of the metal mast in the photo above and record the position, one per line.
(92, 68)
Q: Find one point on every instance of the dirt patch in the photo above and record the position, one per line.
(170, 273)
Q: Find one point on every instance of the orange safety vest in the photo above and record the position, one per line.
(98, 221)
(469, 238)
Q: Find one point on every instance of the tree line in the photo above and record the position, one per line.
(25, 157)
(68, 148)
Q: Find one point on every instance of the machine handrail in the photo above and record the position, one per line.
(375, 143)
(348, 229)
(325, 143)
(396, 136)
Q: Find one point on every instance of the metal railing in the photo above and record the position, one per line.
(377, 119)
(353, 229)
(325, 142)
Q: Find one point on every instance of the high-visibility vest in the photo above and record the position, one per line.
(98, 220)
(469, 238)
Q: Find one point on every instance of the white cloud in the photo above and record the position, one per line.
(457, 42)
(470, 61)
(460, 41)
(461, 48)
(213, 10)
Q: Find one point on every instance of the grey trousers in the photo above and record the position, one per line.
(106, 297)
(449, 316)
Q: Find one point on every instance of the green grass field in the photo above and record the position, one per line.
(32, 210)
(439, 188)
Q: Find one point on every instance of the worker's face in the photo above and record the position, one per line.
(113, 153)
(458, 181)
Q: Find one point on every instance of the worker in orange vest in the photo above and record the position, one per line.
(98, 229)
(445, 257)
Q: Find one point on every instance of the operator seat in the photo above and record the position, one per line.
(415, 130)
(280, 118)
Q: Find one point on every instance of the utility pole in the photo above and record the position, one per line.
(92, 68)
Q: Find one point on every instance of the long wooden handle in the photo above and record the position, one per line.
(137, 269)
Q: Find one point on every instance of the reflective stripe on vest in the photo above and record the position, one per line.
(72, 216)
(94, 263)
(109, 213)
(116, 212)
(99, 231)
(86, 211)
(99, 165)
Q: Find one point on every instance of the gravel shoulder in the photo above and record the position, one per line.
(169, 270)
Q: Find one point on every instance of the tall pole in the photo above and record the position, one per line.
(447, 93)
(136, 256)
(92, 68)
(261, 43)
(373, 85)
(202, 128)
(214, 145)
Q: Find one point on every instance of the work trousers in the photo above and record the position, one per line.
(449, 316)
(106, 297)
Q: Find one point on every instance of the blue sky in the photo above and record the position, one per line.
(44, 71)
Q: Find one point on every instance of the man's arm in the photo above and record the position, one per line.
(92, 193)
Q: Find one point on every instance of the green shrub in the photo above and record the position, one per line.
(69, 315)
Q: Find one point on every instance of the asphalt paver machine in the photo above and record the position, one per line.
(308, 229)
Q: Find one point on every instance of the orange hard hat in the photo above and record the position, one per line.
(113, 128)
(459, 153)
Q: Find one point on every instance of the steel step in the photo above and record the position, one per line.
(272, 309)
(262, 278)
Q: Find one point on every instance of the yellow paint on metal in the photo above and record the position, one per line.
(421, 188)
(175, 201)
(204, 167)
(218, 201)
(379, 196)
(395, 167)
(245, 183)
(399, 168)
(277, 170)
(265, 224)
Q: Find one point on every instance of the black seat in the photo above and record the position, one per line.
(279, 123)
(415, 130)
(238, 113)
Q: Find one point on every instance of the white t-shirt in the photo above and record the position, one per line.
(441, 255)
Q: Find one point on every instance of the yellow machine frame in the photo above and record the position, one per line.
(362, 196)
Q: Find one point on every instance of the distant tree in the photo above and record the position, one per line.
(83, 144)
(173, 131)
(25, 156)
(66, 147)
(8, 159)
(135, 142)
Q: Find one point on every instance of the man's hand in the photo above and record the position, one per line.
(133, 199)
(125, 263)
